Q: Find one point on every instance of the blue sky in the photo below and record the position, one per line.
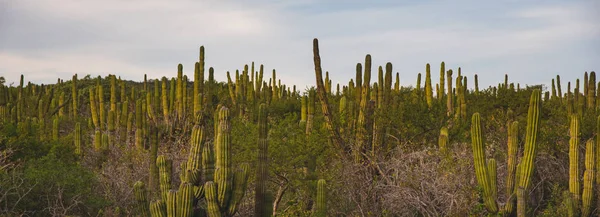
(532, 41)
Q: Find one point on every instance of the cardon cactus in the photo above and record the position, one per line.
(443, 140)
(588, 178)
(164, 170)
(428, 87)
(321, 206)
(513, 143)
(574, 158)
(481, 170)
(141, 199)
(78, 139)
(450, 99)
(73, 94)
(526, 170)
(158, 208)
(262, 173)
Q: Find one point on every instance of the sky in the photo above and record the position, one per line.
(530, 40)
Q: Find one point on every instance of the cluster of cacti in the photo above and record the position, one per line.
(579, 202)
(201, 177)
(485, 170)
(364, 121)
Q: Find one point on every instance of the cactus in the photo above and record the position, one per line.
(199, 83)
(591, 92)
(179, 91)
(325, 107)
(101, 110)
(185, 200)
(310, 112)
(158, 208)
(172, 203)
(513, 143)
(476, 78)
(164, 171)
(55, 129)
(533, 120)
(558, 88)
(77, 138)
(211, 199)
(481, 170)
(262, 173)
(154, 176)
(165, 100)
(223, 174)
(113, 93)
(492, 169)
(450, 99)
(574, 158)
(73, 95)
(397, 83)
(321, 206)
(442, 90)
(443, 140)
(588, 178)
(553, 90)
(141, 199)
(521, 202)
(428, 87)
(304, 109)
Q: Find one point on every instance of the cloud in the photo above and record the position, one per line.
(47, 39)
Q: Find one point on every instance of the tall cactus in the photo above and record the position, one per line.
(78, 139)
(443, 140)
(450, 99)
(179, 91)
(55, 129)
(73, 94)
(533, 120)
(591, 93)
(262, 173)
(481, 170)
(574, 158)
(588, 178)
(321, 208)
(164, 169)
(334, 133)
(513, 146)
(428, 87)
(442, 90)
(141, 198)
(223, 158)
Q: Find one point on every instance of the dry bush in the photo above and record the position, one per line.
(425, 183)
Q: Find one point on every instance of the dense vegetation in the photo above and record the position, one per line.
(250, 147)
